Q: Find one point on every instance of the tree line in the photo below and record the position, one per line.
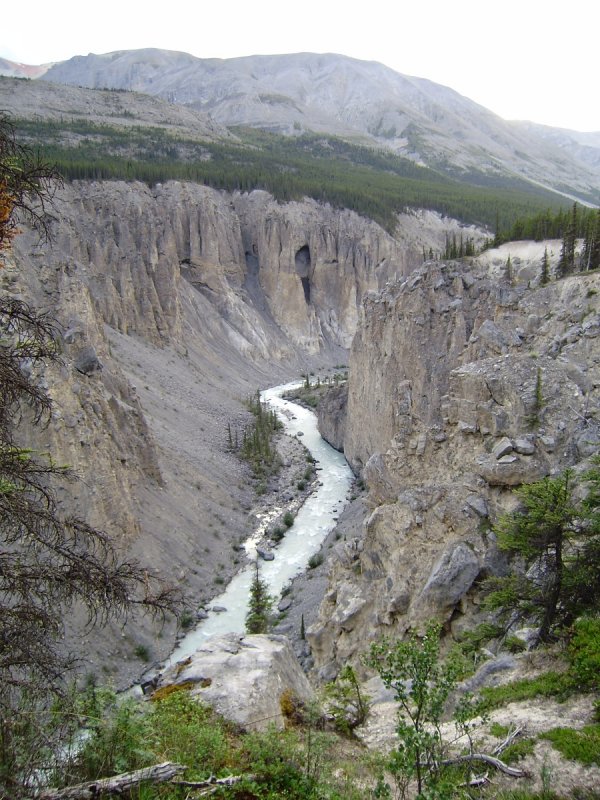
(373, 183)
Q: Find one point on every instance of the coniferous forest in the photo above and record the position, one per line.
(374, 183)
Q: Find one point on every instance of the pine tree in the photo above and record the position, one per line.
(566, 262)
(258, 618)
(545, 276)
(556, 536)
(590, 258)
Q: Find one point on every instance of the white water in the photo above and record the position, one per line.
(314, 521)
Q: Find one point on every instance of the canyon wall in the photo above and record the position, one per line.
(462, 385)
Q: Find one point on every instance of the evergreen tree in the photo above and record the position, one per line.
(258, 618)
(566, 262)
(556, 537)
(590, 258)
(545, 276)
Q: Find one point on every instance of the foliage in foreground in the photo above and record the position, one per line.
(49, 561)
(422, 685)
(301, 763)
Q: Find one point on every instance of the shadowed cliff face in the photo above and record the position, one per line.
(461, 387)
(176, 303)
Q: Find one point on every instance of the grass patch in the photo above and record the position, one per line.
(581, 745)
(518, 750)
(501, 731)
(559, 685)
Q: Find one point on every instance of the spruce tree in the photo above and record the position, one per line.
(545, 277)
(566, 262)
(555, 535)
(258, 618)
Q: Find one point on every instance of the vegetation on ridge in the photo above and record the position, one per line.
(374, 183)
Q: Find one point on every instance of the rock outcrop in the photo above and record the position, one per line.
(250, 680)
(331, 416)
(461, 387)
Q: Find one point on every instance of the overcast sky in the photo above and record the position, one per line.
(522, 59)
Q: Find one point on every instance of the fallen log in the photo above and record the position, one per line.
(494, 762)
(118, 784)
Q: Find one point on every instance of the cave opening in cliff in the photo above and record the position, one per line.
(303, 264)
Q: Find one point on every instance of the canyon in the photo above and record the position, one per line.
(175, 304)
(178, 302)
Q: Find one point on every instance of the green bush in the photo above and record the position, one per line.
(288, 519)
(315, 560)
(186, 619)
(277, 533)
(584, 652)
(142, 652)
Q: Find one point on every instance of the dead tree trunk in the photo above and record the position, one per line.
(118, 784)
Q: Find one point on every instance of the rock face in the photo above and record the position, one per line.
(331, 416)
(461, 387)
(244, 678)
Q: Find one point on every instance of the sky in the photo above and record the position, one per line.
(522, 59)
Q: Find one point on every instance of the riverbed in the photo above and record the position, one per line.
(314, 521)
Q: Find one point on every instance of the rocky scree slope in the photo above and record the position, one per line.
(462, 386)
(175, 304)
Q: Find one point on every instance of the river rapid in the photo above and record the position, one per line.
(315, 519)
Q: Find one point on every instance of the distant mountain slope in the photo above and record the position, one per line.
(585, 147)
(14, 69)
(344, 96)
(42, 100)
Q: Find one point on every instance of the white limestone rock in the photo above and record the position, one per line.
(243, 677)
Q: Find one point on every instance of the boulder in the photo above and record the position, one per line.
(451, 577)
(243, 677)
(87, 361)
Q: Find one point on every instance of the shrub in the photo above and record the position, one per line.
(142, 652)
(550, 684)
(582, 745)
(315, 560)
(288, 519)
(186, 619)
(518, 750)
(277, 533)
(584, 652)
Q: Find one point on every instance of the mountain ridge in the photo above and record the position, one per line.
(361, 100)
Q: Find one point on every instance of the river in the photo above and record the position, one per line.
(315, 519)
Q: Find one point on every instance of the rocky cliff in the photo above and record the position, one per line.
(462, 385)
(175, 304)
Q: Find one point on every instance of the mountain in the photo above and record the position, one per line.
(583, 146)
(365, 101)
